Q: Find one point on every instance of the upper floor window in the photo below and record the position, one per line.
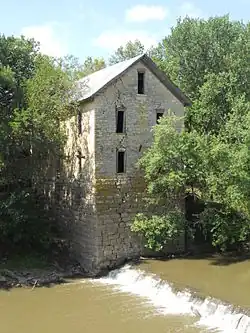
(141, 79)
(79, 122)
(120, 121)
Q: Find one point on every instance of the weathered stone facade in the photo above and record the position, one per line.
(99, 222)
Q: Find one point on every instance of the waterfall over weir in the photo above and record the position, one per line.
(210, 313)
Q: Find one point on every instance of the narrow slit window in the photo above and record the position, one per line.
(58, 167)
(159, 115)
(141, 83)
(79, 156)
(120, 161)
(79, 122)
(120, 121)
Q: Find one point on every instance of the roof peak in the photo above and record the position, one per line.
(118, 64)
(90, 85)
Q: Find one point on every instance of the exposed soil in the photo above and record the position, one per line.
(11, 278)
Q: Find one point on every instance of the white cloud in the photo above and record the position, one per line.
(143, 13)
(111, 40)
(190, 10)
(50, 43)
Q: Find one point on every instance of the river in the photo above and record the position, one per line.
(137, 298)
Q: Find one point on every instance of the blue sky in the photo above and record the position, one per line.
(98, 27)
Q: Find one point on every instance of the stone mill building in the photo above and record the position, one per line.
(119, 105)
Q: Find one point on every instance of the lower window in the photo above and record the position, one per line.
(120, 163)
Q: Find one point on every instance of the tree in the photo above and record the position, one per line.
(169, 171)
(17, 64)
(209, 60)
(130, 50)
(201, 47)
(92, 65)
(182, 162)
(71, 66)
(35, 93)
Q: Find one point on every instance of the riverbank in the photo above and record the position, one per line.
(33, 278)
(33, 272)
(36, 271)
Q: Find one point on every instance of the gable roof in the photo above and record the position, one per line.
(92, 84)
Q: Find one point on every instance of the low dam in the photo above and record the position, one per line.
(179, 295)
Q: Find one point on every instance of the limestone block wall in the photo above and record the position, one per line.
(140, 116)
(76, 207)
(118, 199)
(119, 196)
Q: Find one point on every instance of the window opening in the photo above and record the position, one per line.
(79, 156)
(158, 116)
(120, 122)
(79, 122)
(120, 161)
(141, 83)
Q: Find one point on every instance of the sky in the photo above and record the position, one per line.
(98, 27)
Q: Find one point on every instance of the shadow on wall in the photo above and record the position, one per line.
(69, 189)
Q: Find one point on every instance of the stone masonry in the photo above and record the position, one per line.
(99, 218)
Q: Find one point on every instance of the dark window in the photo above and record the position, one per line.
(58, 166)
(120, 161)
(79, 156)
(140, 83)
(120, 122)
(158, 116)
(79, 122)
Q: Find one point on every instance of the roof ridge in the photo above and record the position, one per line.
(112, 66)
(91, 84)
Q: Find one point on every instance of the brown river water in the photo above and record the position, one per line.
(135, 299)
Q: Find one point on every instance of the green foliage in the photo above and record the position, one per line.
(49, 89)
(35, 94)
(200, 47)
(24, 222)
(34, 129)
(209, 60)
(130, 50)
(71, 66)
(92, 65)
(175, 161)
(181, 161)
(158, 230)
(227, 228)
(17, 62)
(19, 55)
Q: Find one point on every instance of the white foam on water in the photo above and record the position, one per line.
(210, 313)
